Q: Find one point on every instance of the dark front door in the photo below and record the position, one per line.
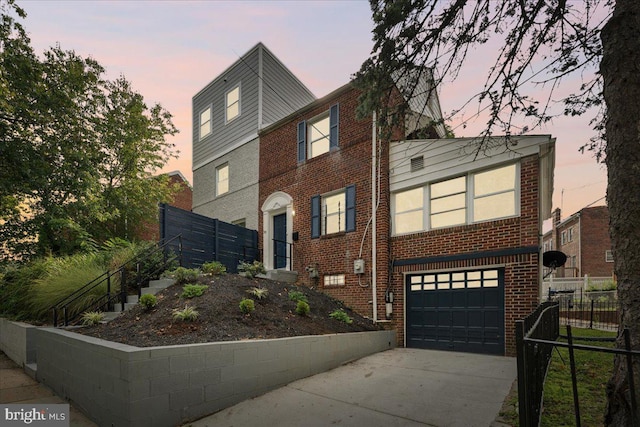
(458, 311)
(280, 241)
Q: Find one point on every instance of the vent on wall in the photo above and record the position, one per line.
(417, 163)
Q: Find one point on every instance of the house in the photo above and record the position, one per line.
(183, 199)
(228, 112)
(584, 238)
(428, 236)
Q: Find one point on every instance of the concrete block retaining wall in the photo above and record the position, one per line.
(17, 342)
(121, 385)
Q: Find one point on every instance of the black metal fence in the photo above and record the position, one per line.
(534, 358)
(207, 239)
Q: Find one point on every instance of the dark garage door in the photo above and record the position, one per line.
(456, 310)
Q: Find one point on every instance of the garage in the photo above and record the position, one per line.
(456, 310)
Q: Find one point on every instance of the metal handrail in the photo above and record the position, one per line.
(64, 303)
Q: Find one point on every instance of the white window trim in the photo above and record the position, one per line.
(334, 280)
(608, 256)
(342, 222)
(201, 136)
(320, 117)
(226, 107)
(426, 220)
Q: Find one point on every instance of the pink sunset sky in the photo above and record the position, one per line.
(170, 50)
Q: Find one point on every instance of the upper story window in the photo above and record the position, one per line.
(570, 235)
(608, 255)
(333, 212)
(232, 103)
(318, 135)
(205, 122)
(563, 238)
(475, 197)
(222, 179)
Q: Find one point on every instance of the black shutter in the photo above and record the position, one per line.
(315, 217)
(302, 141)
(350, 221)
(334, 118)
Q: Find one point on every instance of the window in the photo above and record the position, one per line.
(333, 213)
(240, 222)
(318, 135)
(570, 235)
(409, 211)
(334, 280)
(563, 237)
(494, 193)
(205, 123)
(475, 197)
(232, 103)
(448, 203)
(222, 179)
(608, 255)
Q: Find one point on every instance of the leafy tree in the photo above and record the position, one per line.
(77, 151)
(542, 42)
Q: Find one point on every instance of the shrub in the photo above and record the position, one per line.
(148, 301)
(340, 315)
(91, 318)
(183, 275)
(251, 270)
(260, 293)
(302, 308)
(192, 291)
(247, 306)
(297, 296)
(187, 314)
(16, 289)
(213, 268)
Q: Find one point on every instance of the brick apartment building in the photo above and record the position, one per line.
(584, 238)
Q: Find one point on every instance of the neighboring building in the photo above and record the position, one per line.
(584, 238)
(183, 199)
(227, 114)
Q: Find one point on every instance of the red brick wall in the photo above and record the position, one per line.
(521, 271)
(350, 164)
(594, 223)
(182, 199)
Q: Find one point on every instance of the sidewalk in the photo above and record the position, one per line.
(18, 387)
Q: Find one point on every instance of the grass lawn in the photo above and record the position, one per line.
(593, 371)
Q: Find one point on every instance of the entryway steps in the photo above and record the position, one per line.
(155, 286)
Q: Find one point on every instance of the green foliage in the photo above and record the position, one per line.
(148, 301)
(91, 318)
(192, 291)
(16, 288)
(592, 372)
(247, 306)
(297, 296)
(302, 308)
(64, 276)
(260, 293)
(251, 270)
(88, 147)
(606, 286)
(187, 314)
(183, 275)
(213, 268)
(340, 315)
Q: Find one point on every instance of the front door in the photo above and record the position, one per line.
(280, 241)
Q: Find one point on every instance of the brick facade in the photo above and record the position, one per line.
(349, 164)
(486, 244)
(586, 241)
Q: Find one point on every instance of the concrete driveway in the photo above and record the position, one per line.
(399, 387)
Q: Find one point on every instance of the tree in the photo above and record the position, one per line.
(540, 42)
(77, 150)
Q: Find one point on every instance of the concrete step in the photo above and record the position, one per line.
(132, 299)
(117, 308)
(283, 276)
(110, 315)
(161, 283)
(31, 369)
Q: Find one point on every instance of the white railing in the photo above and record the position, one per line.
(576, 284)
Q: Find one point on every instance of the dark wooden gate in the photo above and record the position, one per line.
(207, 239)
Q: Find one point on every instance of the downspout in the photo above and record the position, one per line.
(374, 255)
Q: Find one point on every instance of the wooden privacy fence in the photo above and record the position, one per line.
(207, 239)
